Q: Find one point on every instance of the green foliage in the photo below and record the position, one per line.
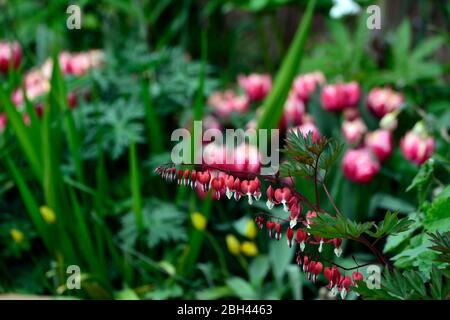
(408, 285)
(328, 226)
(119, 123)
(344, 54)
(304, 155)
(163, 223)
(441, 244)
(410, 65)
(272, 109)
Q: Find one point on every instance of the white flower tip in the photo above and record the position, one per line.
(293, 223)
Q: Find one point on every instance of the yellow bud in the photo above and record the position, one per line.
(249, 248)
(198, 221)
(47, 214)
(233, 244)
(17, 235)
(250, 229)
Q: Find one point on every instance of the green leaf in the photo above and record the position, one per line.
(272, 108)
(423, 177)
(241, 288)
(395, 240)
(436, 284)
(258, 270)
(437, 216)
(390, 225)
(426, 48)
(280, 256)
(163, 223)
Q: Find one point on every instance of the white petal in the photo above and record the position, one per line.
(343, 293)
(269, 204)
(293, 223)
(338, 251)
(229, 193)
(302, 246)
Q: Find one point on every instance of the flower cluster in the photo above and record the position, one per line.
(296, 230)
(36, 82)
(368, 150)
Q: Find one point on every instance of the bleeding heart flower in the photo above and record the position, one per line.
(289, 235)
(270, 225)
(301, 238)
(277, 231)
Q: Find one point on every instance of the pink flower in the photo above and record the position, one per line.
(294, 110)
(333, 97)
(380, 143)
(340, 96)
(10, 54)
(359, 165)
(306, 128)
(3, 121)
(382, 101)
(227, 102)
(256, 86)
(247, 158)
(352, 92)
(417, 147)
(210, 122)
(82, 62)
(353, 131)
(305, 85)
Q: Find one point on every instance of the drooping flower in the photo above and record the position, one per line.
(382, 101)
(357, 276)
(353, 131)
(270, 226)
(380, 142)
(283, 196)
(277, 231)
(417, 146)
(256, 86)
(260, 222)
(10, 55)
(337, 246)
(301, 237)
(359, 165)
(289, 236)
